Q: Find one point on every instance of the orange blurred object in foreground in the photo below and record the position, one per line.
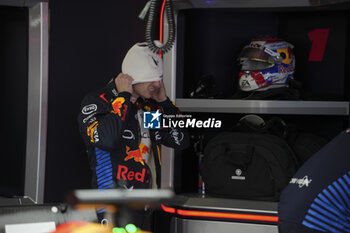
(85, 227)
(82, 227)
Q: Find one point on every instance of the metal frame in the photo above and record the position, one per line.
(21, 3)
(340, 108)
(191, 225)
(37, 102)
(186, 222)
(187, 4)
(169, 72)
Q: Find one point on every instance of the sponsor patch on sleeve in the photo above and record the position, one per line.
(88, 109)
(91, 129)
(173, 103)
(117, 105)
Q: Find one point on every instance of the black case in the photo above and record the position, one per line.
(247, 165)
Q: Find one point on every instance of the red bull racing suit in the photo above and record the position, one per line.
(111, 131)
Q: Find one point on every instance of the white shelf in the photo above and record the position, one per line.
(301, 107)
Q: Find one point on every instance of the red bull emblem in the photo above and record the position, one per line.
(137, 154)
(117, 105)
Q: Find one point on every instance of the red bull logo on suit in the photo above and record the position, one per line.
(137, 154)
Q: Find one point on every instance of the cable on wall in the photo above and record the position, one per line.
(151, 8)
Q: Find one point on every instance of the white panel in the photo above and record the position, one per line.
(37, 102)
(40, 227)
(265, 106)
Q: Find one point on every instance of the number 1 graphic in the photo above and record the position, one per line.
(319, 39)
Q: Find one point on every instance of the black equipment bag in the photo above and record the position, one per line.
(247, 165)
(306, 145)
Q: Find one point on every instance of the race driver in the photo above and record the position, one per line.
(121, 151)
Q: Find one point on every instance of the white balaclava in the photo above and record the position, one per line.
(142, 64)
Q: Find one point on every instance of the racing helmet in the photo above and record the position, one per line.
(266, 63)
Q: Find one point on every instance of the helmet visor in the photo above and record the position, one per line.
(256, 54)
(250, 65)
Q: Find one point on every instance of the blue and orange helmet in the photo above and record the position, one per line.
(266, 63)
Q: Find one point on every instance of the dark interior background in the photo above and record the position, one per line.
(14, 92)
(88, 40)
(210, 41)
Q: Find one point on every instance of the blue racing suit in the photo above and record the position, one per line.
(317, 198)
